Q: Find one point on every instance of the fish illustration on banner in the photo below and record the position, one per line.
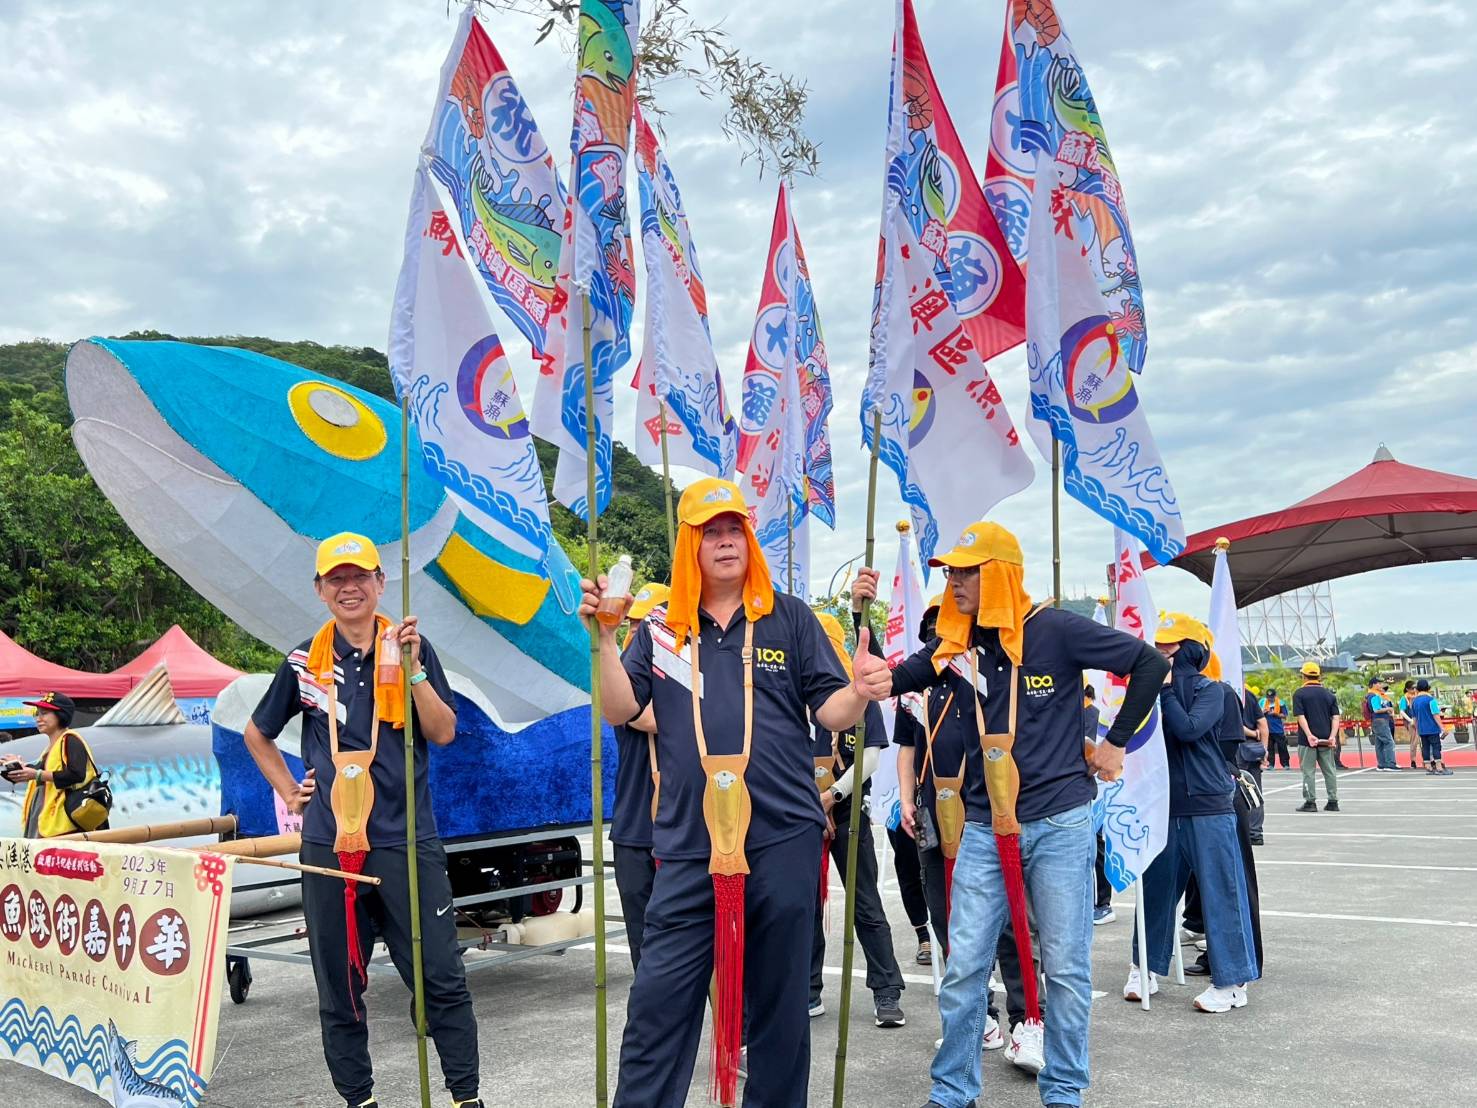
(1085, 320)
(448, 362)
(784, 453)
(678, 365)
(947, 296)
(595, 257)
(485, 150)
(1133, 811)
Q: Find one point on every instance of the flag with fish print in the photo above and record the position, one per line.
(485, 150)
(784, 454)
(115, 967)
(1086, 338)
(448, 362)
(678, 367)
(947, 296)
(1133, 811)
(596, 286)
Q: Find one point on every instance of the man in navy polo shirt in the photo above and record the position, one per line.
(350, 583)
(884, 977)
(630, 825)
(723, 624)
(993, 646)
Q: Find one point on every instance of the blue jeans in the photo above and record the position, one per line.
(1057, 854)
(1208, 847)
(1384, 743)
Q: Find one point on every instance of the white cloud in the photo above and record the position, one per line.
(1299, 180)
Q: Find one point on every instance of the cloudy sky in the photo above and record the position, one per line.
(1299, 177)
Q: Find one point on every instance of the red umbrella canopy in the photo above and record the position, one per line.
(24, 674)
(192, 671)
(1387, 514)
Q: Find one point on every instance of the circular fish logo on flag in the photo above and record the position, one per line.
(487, 392)
(1098, 381)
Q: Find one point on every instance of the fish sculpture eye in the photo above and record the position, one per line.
(336, 421)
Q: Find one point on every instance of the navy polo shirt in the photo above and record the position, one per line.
(1317, 705)
(876, 728)
(1058, 645)
(294, 690)
(630, 824)
(950, 742)
(795, 669)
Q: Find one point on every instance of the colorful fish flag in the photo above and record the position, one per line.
(899, 639)
(678, 366)
(1133, 811)
(486, 151)
(784, 454)
(448, 362)
(947, 296)
(596, 266)
(1223, 623)
(1085, 320)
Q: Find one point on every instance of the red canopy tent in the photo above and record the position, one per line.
(192, 670)
(23, 674)
(1387, 514)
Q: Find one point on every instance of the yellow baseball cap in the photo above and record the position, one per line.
(1312, 669)
(346, 549)
(934, 603)
(980, 543)
(1178, 627)
(647, 597)
(712, 496)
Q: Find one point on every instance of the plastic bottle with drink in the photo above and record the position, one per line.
(612, 607)
(388, 671)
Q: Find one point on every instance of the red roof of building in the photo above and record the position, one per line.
(192, 670)
(1386, 514)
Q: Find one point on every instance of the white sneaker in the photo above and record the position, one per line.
(1188, 936)
(994, 1038)
(1201, 945)
(1028, 1046)
(1134, 989)
(995, 986)
(1217, 999)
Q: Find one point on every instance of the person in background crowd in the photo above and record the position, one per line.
(1407, 697)
(834, 753)
(1249, 754)
(1427, 713)
(67, 764)
(1276, 716)
(1379, 713)
(908, 869)
(1202, 828)
(1317, 712)
(635, 798)
(1102, 907)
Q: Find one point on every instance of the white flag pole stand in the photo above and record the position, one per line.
(934, 963)
(1140, 923)
(1179, 953)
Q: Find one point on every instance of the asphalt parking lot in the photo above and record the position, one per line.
(1369, 916)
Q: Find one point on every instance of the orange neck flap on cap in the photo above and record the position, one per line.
(837, 635)
(1004, 604)
(687, 581)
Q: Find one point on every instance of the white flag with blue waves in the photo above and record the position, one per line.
(1133, 811)
(448, 361)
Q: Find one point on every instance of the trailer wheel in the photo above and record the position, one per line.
(238, 977)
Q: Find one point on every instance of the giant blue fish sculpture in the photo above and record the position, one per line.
(231, 467)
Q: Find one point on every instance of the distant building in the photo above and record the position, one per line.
(1461, 662)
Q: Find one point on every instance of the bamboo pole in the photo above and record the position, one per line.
(263, 846)
(790, 548)
(671, 515)
(1056, 522)
(151, 832)
(597, 772)
(858, 760)
(412, 861)
(277, 863)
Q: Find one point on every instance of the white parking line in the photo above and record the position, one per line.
(1362, 865)
(1372, 919)
(1370, 835)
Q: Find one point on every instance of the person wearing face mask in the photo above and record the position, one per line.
(346, 682)
(730, 668)
(1028, 792)
(1202, 832)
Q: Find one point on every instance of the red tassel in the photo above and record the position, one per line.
(1009, 849)
(352, 861)
(728, 972)
(949, 886)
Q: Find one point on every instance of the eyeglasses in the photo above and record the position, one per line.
(961, 571)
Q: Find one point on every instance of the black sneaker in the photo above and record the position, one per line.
(925, 953)
(370, 1103)
(1257, 840)
(474, 1103)
(888, 1012)
(1331, 806)
(1308, 806)
(1200, 967)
